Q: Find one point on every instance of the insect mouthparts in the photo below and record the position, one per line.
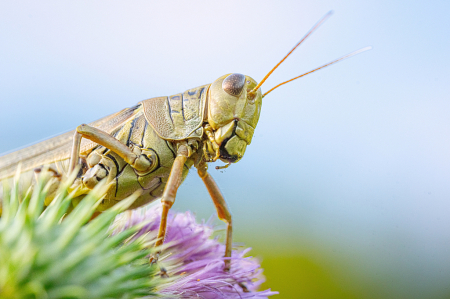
(224, 166)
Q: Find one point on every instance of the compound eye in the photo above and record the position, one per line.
(234, 84)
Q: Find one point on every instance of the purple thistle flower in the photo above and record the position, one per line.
(194, 260)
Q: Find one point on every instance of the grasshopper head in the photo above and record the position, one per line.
(233, 112)
(234, 104)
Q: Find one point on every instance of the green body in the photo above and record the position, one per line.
(211, 122)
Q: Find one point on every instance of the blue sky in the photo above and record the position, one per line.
(355, 157)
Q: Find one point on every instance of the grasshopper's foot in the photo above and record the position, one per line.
(226, 268)
(244, 287)
(154, 260)
(163, 272)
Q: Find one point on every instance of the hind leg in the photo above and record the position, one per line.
(142, 161)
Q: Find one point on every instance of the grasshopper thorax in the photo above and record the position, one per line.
(232, 114)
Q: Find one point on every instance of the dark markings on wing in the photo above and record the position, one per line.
(170, 110)
(182, 106)
(200, 102)
(58, 148)
(201, 92)
(143, 134)
(116, 131)
(133, 123)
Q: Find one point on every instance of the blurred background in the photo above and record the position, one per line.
(345, 189)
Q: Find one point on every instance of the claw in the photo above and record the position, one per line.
(244, 287)
(154, 260)
(163, 272)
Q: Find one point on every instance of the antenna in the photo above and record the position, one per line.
(321, 67)
(252, 93)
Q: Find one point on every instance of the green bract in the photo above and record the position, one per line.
(43, 255)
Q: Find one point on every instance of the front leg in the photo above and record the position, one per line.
(170, 192)
(221, 206)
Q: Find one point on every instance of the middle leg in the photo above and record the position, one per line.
(169, 194)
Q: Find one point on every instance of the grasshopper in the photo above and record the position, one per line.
(151, 146)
